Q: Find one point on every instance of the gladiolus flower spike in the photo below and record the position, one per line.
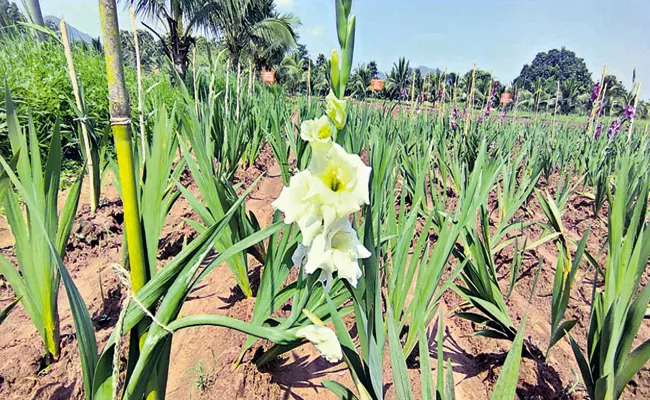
(321, 199)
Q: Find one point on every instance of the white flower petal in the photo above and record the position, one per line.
(337, 251)
(299, 255)
(342, 179)
(325, 341)
(317, 131)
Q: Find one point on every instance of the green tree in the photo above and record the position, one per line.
(10, 14)
(616, 96)
(571, 98)
(360, 82)
(151, 51)
(320, 75)
(399, 79)
(555, 65)
(372, 67)
(179, 18)
(253, 28)
(292, 73)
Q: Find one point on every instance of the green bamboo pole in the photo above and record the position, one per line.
(120, 110)
(35, 15)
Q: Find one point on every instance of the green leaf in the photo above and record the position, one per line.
(450, 389)
(632, 365)
(561, 331)
(585, 370)
(426, 377)
(506, 386)
(338, 389)
(5, 311)
(397, 360)
(66, 220)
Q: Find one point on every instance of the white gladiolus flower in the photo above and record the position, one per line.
(342, 182)
(336, 110)
(336, 251)
(325, 341)
(298, 205)
(318, 131)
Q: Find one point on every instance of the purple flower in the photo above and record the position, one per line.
(454, 125)
(629, 112)
(455, 113)
(439, 93)
(614, 128)
(594, 94)
(504, 114)
(599, 130)
(403, 93)
(493, 94)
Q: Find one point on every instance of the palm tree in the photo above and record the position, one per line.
(244, 26)
(253, 28)
(360, 82)
(571, 96)
(180, 18)
(399, 79)
(372, 66)
(292, 72)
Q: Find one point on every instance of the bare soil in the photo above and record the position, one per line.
(202, 358)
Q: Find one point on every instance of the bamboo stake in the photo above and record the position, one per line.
(636, 102)
(309, 80)
(557, 96)
(444, 92)
(470, 100)
(196, 88)
(227, 86)
(598, 98)
(413, 92)
(238, 89)
(250, 77)
(94, 197)
(120, 111)
(138, 70)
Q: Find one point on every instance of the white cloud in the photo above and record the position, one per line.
(284, 3)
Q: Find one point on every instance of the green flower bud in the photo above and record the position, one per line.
(336, 111)
(334, 73)
(347, 6)
(348, 52)
(341, 22)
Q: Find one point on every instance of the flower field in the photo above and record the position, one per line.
(247, 243)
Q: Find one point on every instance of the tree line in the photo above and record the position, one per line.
(555, 81)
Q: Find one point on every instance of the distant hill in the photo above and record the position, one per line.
(425, 70)
(73, 33)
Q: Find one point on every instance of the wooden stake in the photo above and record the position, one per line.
(94, 192)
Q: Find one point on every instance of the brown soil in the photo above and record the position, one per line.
(202, 358)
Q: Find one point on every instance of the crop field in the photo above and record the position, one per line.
(177, 228)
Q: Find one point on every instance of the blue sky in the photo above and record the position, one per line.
(498, 35)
